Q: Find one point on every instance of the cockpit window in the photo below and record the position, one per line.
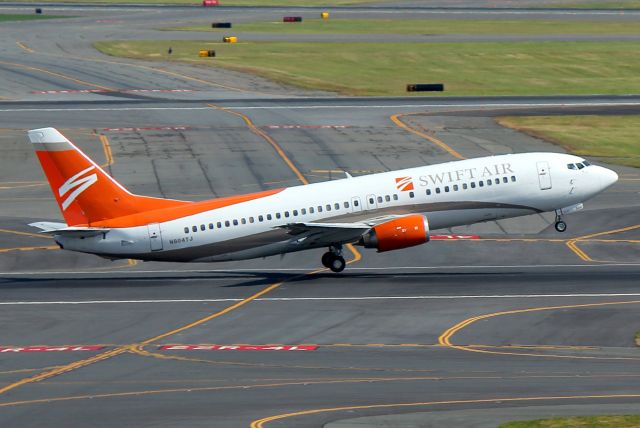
(580, 166)
(586, 163)
(571, 166)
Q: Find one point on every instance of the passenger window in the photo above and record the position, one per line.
(243, 221)
(319, 208)
(194, 228)
(269, 217)
(395, 197)
(210, 225)
(489, 182)
(346, 204)
(446, 188)
(513, 178)
(311, 211)
(303, 211)
(295, 212)
(379, 199)
(235, 222)
(411, 194)
(428, 192)
(473, 185)
(336, 206)
(227, 223)
(437, 190)
(251, 220)
(497, 181)
(371, 201)
(505, 180)
(260, 218)
(219, 225)
(286, 214)
(455, 187)
(356, 203)
(278, 215)
(387, 198)
(186, 230)
(464, 186)
(328, 207)
(481, 183)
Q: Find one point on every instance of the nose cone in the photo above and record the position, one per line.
(607, 177)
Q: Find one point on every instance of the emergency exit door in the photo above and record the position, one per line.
(155, 236)
(544, 175)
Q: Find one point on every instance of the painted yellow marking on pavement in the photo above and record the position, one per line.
(396, 119)
(572, 243)
(24, 47)
(106, 147)
(497, 400)
(34, 235)
(154, 69)
(268, 139)
(445, 337)
(48, 247)
(51, 73)
(356, 254)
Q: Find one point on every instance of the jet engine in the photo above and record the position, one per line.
(399, 233)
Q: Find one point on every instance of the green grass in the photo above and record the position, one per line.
(6, 18)
(430, 26)
(638, 338)
(612, 138)
(327, 3)
(505, 68)
(623, 421)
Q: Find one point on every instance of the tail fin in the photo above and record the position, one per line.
(85, 193)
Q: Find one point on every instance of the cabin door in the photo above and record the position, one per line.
(544, 175)
(155, 236)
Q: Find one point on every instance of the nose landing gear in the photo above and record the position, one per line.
(333, 259)
(560, 225)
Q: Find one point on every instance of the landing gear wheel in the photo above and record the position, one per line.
(326, 259)
(337, 263)
(561, 226)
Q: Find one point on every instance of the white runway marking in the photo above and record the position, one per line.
(305, 299)
(303, 270)
(338, 106)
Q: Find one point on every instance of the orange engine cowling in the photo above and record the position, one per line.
(399, 233)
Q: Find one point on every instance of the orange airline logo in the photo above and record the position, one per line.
(79, 183)
(404, 184)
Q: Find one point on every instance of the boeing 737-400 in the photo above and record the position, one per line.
(385, 211)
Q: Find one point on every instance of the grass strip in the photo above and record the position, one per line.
(327, 3)
(622, 4)
(427, 26)
(487, 68)
(617, 421)
(7, 18)
(614, 139)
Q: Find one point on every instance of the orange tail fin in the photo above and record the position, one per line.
(85, 192)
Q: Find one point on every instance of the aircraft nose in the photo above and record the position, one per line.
(608, 177)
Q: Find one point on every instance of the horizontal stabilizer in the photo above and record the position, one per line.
(51, 228)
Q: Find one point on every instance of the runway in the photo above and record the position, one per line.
(520, 323)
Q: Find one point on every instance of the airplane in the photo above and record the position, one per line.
(386, 211)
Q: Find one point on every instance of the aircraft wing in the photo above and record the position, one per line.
(326, 233)
(333, 233)
(52, 228)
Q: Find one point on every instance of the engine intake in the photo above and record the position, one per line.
(400, 233)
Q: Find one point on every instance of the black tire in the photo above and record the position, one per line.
(337, 264)
(326, 259)
(561, 226)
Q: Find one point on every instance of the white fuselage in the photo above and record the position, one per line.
(448, 194)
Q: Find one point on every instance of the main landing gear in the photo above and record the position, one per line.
(333, 259)
(560, 225)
